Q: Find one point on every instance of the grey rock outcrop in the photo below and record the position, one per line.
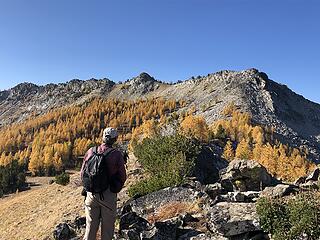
(245, 175)
(232, 219)
(146, 204)
(280, 190)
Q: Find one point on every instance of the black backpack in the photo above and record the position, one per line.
(95, 177)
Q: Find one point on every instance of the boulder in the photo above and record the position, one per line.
(191, 234)
(208, 164)
(214, 190)
(188, 218)
(166, 230)
(300, 180)
(131, 220)
(195, 235)
(62, 232)
(159, 231)
(314, 176)
(232, 219)
(130, 234)
(246, 175)
(80, 222)
(279, 190)
(145, 205)
(258, 235)
(250, 196)
(310, 185)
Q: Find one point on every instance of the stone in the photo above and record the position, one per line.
(80, 222)
(314, 176)
(213, 190)
(258, 235)
(130, 234)
(206, 236)
(188, 218)
(132, 221)
(51, 181)
(62, 232)
(250, 196)
(232, 197)
(279, 190)
(232, 219)
(208, 165)
(310, 185)
(190, 234)
(246, 175)
(300, 180)
(166, 230)
(145, 205)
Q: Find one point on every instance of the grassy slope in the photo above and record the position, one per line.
(34, 214)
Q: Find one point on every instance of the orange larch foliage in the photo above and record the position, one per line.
(58, 138)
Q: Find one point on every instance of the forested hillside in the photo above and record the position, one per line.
(52, 142)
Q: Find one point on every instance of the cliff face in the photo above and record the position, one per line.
(294, 118)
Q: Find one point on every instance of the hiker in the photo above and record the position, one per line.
(100, 206)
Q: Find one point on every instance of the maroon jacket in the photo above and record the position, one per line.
(115, 165)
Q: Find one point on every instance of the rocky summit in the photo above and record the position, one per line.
(294, 118)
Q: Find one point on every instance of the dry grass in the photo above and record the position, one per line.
(173, 209)
(33, 214)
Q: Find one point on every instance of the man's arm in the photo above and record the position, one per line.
(122, 170)
(119, 178)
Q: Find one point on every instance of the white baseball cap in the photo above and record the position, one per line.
(109, 133)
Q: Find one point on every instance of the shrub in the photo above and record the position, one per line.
(12, 177)
(167, 160)
(296, 218)
(62, 179)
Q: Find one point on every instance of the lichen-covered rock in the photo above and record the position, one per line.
(280, 190)
(246, 175)
(232, 219)
(149, 203)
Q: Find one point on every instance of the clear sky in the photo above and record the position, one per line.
(45, 41)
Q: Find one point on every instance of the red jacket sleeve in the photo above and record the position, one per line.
(119, 177)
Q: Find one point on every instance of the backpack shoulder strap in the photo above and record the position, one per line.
(95, 149)
(108, 151)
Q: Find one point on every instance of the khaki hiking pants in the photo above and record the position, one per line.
(102, 211)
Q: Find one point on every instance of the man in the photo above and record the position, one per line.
(102, 207)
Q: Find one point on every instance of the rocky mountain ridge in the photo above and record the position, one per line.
(294, 118)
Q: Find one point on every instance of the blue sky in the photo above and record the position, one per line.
(44, 41)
